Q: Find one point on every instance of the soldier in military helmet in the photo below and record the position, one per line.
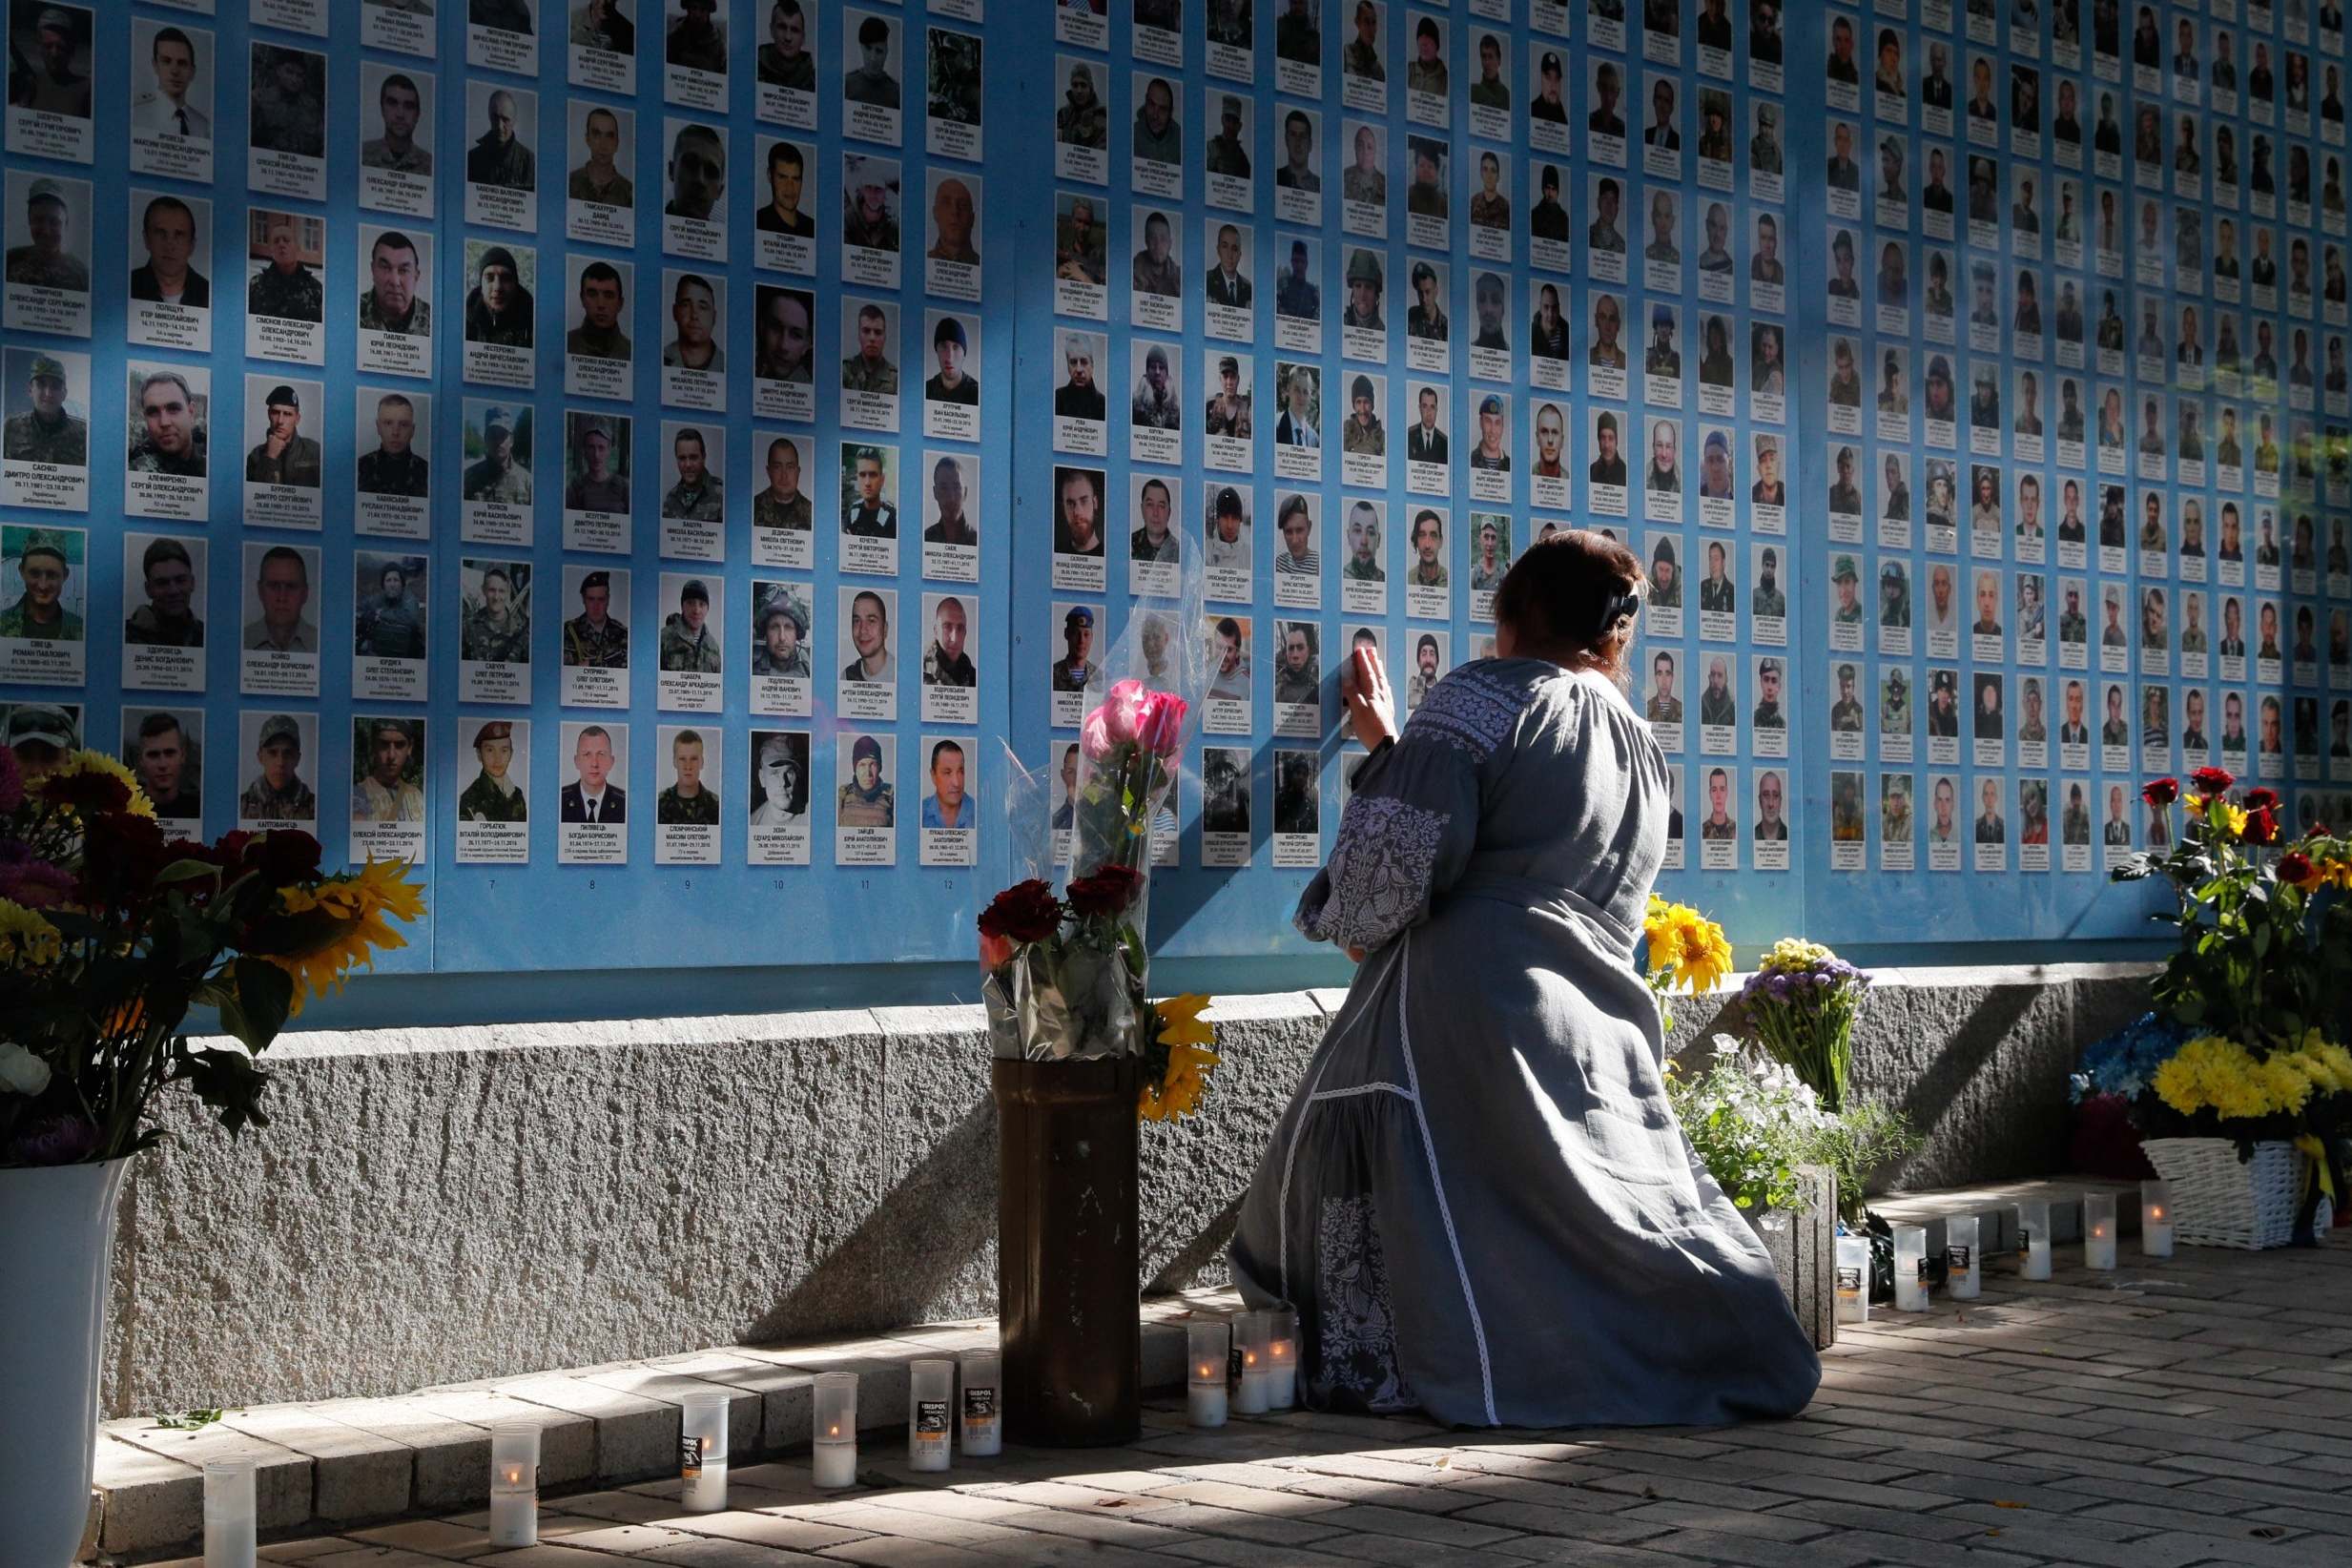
(46, 432)
(45, 264)
(40, 614)
(783, 639)
(499, 475)
(1364, 286)
(594, 639)
(286, 287)
(278, 792)
(688, 803)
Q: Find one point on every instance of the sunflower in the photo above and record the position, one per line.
(357, 907)
(1185, 1036)
(26, 940)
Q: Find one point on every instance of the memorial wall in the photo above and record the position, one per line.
(645, 463)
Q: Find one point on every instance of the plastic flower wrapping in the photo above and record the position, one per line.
(1065, 976)
(2125, 1063)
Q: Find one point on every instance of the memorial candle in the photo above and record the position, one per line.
(836, 1433)
(1282, 1358)
(232, 1531)
(931, 1393)
(1853, 1279)
(2034, 1240)
(2099, 1230)
(983, 1405)
(514, 1484)
(1207, 1343)
(2156, 1219)
(1251, 1335)
(1911, 1268)
(701, 1454)
(1962, 1258)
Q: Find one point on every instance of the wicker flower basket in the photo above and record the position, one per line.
(2221, 1201)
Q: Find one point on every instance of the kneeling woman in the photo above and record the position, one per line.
(1478, 1201)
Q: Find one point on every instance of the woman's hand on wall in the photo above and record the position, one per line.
(1372, 705)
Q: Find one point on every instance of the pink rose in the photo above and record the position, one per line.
(1161, 724)
(995, 952)
(1124, 708)
(1094, 735)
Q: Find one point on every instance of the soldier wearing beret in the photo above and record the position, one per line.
(492, 796)
(285, 456)
(45, 432)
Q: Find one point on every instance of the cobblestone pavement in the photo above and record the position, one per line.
(2169, 1414)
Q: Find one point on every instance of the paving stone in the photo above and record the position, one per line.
(282, 1477)
(151, 1501)
(355, 1474)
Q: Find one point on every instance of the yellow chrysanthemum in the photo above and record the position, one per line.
(77, 763)
(2232, 818)
(26, 939)
(364, 903)
(2221, 1076)
(1181, 1022)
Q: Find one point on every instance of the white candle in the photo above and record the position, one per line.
(232, 1529)
(1282, 1358)
(1853, 1279)
(931, 1398)
(701, 1454)
(1911, 1268)
(1962, 1258)
(835, 1431)
(514, 1484)
(2099, 1230)
(983, 1405)
(2034, 1240)
(1252, 1395)
(1206, 1342)
(2156, 1219)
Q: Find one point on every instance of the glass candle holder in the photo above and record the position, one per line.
(2099, 1230)
(1282, 1358)
(2034, 1240)
(701, 1454)
(1253, 1336)
(930, 1400)
(1910, 1268)
(514, 1484)
(1963, 1258)
(1208, 1345)
(232, 1525)
(2156, 1219)
(983, 1404)
(834, 1436)
(1853, 1279)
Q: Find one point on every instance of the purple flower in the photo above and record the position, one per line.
(61, 1139)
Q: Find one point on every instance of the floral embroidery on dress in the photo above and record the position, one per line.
(1356, 1348)
(1377, 880)
(1471, 709)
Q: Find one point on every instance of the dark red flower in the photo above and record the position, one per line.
(2262, 826)
(2160, 792)
(89, 791)
(283, 856)
(1027, 912)
(121, 856)
(2295, 870)
(2259, 799)
(2212, 780)
(1111, 889)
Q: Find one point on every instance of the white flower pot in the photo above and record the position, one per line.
(56, 1252)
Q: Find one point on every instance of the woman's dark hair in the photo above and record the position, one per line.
(1572, 599)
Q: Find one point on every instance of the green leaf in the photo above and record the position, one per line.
(255, 1005)
(186, 871)
(188, 1420)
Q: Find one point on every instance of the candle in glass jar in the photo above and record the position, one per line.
(931, 1395)
(1961, 1257)
(1853, 1279)
(1251, 1393)
(2099, 1230)
(1207, 1345)
(701, 1454)
(2034, 1240)
(1282, 1358)
(836, 1434)
(2156, 1219)
(983, 1407)
(231, 1527)
(514, 1484)
(1911, 1268)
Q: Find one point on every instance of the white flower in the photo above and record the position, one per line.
(20, 1071)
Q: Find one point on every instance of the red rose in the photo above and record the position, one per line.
(2261, 825)
(2260, 801)
(89, 792)
(1027, 912)
(283, 856)
(1111, 889)
(2295, 870)
(121, 857)
(2160, 792)
(2212, 780)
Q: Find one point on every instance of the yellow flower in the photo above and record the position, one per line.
(1181, 1022)
(358, 903)
(26, 939)
(2211, 1073)
(1187, 1036)
(1690, 949)
(2232, 818)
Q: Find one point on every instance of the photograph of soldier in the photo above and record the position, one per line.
(779, 774)
(492, 796)
(167, 426)
(48, 60)
(868, 637)
(954, 384)
(283, 455)
(278, 604)
(605, 25)
(686, 800)
(697, 174)
(945, 662)
(1225, 790)
(172, 616)
(169, 761)
(870, 54)
(169, 275)
(503, 472)
(1076, 667)
(1229, 406)
(951, 523)
(1157, 268)
(277, 792)
(1078, 511)
(494, 621)
(284, 284)
(501, 154)
(867, 798)
(788, 166)
(399, 109)
(400, 283)
(870, 368)
(597, 458)
(499, 304)
(388, 619)
(699, 494)
(47, 249)
(42, 604)
(594, 796)
(781, 630)
(506, 15)
(784, 60)
(1296, 294)
(387, 767)
(42, 425)
(602, 176)
(1083, 119)
(867, 485)
(782, 504)
(288, 101)
(595, 638)
(600, 306)
(696, 40)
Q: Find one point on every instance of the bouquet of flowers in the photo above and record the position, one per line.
(1686, 950)
(1801, 1002)
(109, 935)
(1754, 1122)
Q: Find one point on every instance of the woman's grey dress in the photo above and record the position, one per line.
(1478, 1199)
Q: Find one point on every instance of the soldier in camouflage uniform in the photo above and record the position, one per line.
(499, 629)
(40, 615)
(492, 796)
(698, 496)
(288, 118)
(592, 639)
(45, 432)
(278, 792)
(500, 157)
(688, 801)
(696, 42)
(392, 303)
(870, 369)
(1083, 120)
(498, 476)
(400, 105)
(394, 467)
(687, 643)
(285, 456)
(287, 287)
(45, 264)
